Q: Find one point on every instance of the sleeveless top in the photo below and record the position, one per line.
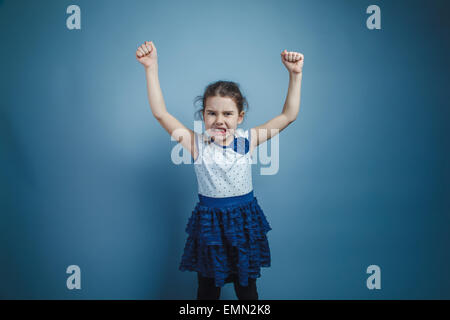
(224, 171)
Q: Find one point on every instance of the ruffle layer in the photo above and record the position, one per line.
(226, 242)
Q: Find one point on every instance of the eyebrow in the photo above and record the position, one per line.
(207, 109)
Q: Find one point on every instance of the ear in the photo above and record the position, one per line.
(241, 117)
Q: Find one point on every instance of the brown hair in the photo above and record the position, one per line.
(223, 89)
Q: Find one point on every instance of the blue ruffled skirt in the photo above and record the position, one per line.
(227, 239)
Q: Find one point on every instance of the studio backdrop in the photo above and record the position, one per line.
(359, 202)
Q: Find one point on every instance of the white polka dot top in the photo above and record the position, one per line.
(224, 171)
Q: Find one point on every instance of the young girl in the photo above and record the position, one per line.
(227, 229)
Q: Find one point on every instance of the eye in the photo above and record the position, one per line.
(210, 112)
(228, 113)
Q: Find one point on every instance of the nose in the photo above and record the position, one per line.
(219, 121)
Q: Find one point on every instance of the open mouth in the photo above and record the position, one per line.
(219, 131)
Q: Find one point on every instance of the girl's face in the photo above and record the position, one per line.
(221, 117)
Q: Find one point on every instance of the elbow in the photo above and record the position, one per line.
(292, 119)
(158, 116)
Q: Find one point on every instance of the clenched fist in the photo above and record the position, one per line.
(147, 55)
(293, 61)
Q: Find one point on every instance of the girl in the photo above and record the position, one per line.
(227, 239)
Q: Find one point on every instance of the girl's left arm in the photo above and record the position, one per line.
(293, 62)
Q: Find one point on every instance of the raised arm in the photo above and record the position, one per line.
(294, 64)
(146, 54)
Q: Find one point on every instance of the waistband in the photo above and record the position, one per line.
(226, 201)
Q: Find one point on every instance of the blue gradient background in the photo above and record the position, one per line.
(86, 176)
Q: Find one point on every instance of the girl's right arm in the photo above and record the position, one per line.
(147, 56)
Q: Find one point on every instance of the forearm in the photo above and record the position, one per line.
(155, 96)
(292, 103)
